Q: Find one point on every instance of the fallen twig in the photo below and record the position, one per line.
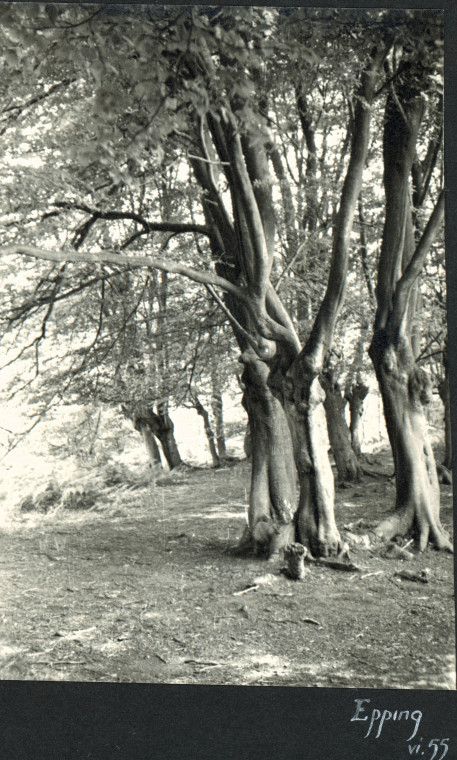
(368, 575)
(246, 590)
(311, 620)
(421, 577)
(349, 567)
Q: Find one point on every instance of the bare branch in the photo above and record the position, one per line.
(116, 259)
(322, 332)
(149, 226)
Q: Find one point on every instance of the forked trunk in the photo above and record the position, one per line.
(161, 427)
(405, 388)
(347, 466)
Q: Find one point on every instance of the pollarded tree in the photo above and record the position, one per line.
(405, 387)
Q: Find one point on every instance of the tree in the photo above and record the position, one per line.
(347, 464)
(404, 385)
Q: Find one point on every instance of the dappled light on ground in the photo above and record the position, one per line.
(146, 587)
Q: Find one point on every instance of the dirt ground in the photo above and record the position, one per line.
(152, 592)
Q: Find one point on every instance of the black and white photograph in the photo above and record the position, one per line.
(225, 410)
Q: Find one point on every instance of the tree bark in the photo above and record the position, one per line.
(165, 432)
(273, 496)
(404, 386)
(151, 445)
(217, 407)
(347, 465)
(160, 425)
(208, 430)
(356, 396)
(315, 518)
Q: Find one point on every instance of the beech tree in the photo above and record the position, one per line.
(404, 385)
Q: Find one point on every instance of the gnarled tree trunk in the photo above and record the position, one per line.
(158, 425)
(315, 516)
(273, 496)
(164, 430)
(405, 389)
(283, 395)
(403, 385)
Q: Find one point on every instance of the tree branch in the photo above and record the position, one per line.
(322, 332)
(149, 226)
(414, 268)
(13, 112)
(116, 259)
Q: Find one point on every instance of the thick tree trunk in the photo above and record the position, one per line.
(347, 466)
(356, 396)
(247, 442)
(315, 518)
(208, 430)
(273, 496)
(161, 426)
(444, 389)
(151, 445)
(165, 432)
(447, 426)
(405, 388)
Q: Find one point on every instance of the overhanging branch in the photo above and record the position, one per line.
(116, 259)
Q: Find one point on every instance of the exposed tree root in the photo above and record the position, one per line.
(433, 534)
(323, 540)
(266, 539)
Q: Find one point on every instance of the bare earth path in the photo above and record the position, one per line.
(150, 594)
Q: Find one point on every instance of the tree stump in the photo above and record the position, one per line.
(294, 555)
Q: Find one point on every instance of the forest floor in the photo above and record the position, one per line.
(151, 591)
